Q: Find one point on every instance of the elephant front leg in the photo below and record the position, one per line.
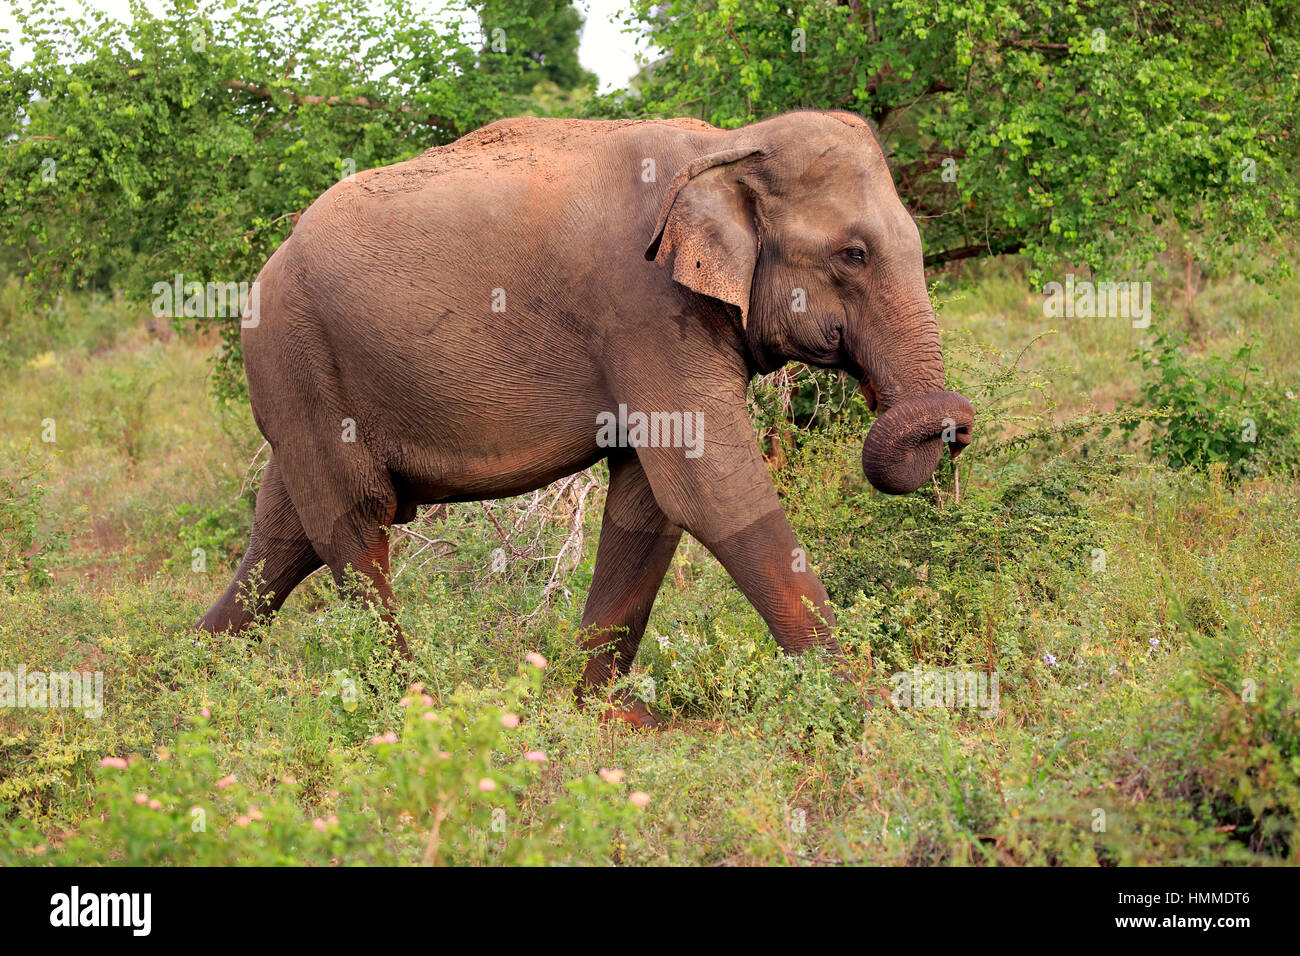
(637, 542)
(765, 560)
(724, 497)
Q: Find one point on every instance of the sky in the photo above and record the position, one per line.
(605, 50)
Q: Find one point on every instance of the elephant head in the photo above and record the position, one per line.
(796, 223)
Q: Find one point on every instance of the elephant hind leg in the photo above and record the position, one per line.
(357, 539)
(637, 543)
(279, 557)
(365, 551)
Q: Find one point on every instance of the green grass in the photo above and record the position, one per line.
(1141, 621)
(995, 305)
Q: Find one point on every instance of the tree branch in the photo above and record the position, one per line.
(365, 102)
(999, 247)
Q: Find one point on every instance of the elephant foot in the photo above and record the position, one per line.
(633, 712)
(398, 643)
(622, 706)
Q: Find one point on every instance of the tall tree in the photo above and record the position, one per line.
(545, 33)
(1089, 132)
(189, 141)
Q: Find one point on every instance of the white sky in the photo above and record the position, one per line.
(605, 50)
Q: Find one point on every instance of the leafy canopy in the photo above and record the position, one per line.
(1079, 132)
(190, 141)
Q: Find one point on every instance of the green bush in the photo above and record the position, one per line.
(1210, 411)
(29, 541)
(120, 403)
(220, 533)
(445, 790)
(1243, 774)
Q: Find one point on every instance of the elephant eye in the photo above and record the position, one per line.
(856, 254)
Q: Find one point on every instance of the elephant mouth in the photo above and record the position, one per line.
(869, 393)
(904, 445)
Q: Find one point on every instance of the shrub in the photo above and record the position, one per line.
(28, 544)
(220, 533)
(1210, 412)
(120, 402)
(446, 789)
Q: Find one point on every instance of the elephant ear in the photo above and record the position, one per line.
(706, 224)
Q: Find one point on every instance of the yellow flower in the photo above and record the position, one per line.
(44, 360)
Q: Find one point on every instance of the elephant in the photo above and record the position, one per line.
(509, 309)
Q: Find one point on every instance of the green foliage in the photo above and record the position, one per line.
(119, 412)
(546, 32)
(722, 672)
(29, 541)
(1209, 412)
(944, 578)
(189, 141)
(1071, 130)
(440, 792)
(1246, 776)
(221, 533)
(83, 323)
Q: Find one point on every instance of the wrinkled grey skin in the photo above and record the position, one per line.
(650, 264)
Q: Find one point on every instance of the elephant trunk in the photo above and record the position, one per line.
(904, 444)
(904, 377)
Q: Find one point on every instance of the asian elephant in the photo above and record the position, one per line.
(541, 294)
